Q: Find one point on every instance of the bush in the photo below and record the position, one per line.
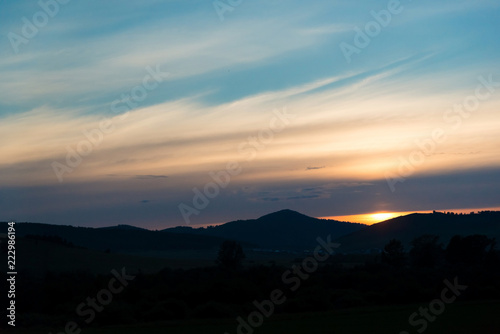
(214, 310)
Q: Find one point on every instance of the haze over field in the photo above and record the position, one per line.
(118, 112)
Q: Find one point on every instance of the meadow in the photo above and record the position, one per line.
(459, 318)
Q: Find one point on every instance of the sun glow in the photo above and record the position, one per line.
(371, 218)
(382, 216)
(377, 217)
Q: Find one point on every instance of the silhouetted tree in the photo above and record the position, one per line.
(470, 250)
(230, 254)
(426, 251)
(393, 254)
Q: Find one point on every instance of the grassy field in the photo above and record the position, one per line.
(459, 318)
(39, 257)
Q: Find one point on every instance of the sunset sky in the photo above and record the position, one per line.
(123, 112)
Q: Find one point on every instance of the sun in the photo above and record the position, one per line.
(382, 216)
(368, 218)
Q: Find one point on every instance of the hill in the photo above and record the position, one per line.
(406, 228)
(126, 239)
(123, 227)
(282, 230)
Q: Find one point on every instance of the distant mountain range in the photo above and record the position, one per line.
(407, 228)
(282, 230)
(123, 227)
(123, 238)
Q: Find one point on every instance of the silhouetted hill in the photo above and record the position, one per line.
(284, 229)
(406, 228)
(123, 227)
(118, 239)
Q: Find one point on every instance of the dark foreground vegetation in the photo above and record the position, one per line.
(460, 318)
(229, 290)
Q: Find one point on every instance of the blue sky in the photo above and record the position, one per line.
(220, 81)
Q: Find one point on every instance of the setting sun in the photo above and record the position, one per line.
(370, 218)
(382, 216)
(374, 218)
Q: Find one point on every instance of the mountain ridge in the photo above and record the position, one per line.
(284, 229)
(281, 230)
(406, 228)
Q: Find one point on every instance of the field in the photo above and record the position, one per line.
(39, 257)
(459, 318)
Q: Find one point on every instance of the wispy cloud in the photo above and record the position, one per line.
(314, 168)
(150, 177)
(226, 78)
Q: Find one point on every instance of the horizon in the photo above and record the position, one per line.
(232, 166)
(363, 219)
(168, 113)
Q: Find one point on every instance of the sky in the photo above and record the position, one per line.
(159, 113)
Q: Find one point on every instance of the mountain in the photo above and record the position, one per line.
(122, 238)
(284, 229)
(407, 228)
(123, 227)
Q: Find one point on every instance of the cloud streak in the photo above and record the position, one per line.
(226, 78)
